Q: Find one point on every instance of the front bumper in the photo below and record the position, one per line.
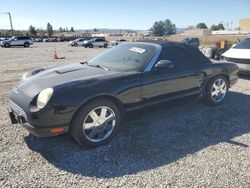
(45, 132)
(17, 117)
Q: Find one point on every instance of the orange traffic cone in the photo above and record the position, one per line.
(55, 54)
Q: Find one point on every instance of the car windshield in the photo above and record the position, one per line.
(129, 57)
(245, 44)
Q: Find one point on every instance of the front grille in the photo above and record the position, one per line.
(18, 110)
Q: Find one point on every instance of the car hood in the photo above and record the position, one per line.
(237, 53)
(6, 40)
(61, 75)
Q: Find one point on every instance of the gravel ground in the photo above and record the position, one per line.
(181, 143)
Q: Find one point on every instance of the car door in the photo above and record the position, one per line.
(183, 78)
(14, 41)
(97, 42)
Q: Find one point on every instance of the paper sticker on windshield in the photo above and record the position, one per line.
(138, 50)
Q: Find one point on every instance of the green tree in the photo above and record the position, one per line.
(95, 30)
(161, 28)
(32, 30)
(201, 26)
(60, 29)
(220, 26)
(49, 29)
(72, 29)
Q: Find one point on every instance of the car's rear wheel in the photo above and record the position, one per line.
(6, 45)
(96, 123)
(75, 44)
(216, 90)
(105, 45)
(26, 45)
(91, 46)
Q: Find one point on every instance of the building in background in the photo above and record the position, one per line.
(245, 24)
(197, 32)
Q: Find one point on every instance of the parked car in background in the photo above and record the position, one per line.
(90, 99)
(45, 40)
(192, 41)
(96, 42)
(77, 42)
(17, 41)
(240, 54)
(38, 40)
(117, 42)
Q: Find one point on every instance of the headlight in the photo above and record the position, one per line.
(44, 97)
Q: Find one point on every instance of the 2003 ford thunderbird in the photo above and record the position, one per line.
(90, 99)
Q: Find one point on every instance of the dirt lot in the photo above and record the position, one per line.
(178, 144)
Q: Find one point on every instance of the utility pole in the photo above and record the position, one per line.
(11, 26)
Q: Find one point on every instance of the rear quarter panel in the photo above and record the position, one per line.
(221, 68)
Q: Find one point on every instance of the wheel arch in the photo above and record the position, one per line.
(102, 96)
(208, 78)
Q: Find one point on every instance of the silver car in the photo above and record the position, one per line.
(17, 41)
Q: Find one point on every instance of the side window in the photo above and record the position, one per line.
(180, 57)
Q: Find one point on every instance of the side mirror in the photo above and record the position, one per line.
(164, 64)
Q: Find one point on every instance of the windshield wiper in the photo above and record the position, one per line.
(85, 62)
(99, 66)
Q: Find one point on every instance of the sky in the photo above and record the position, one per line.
(120, 14)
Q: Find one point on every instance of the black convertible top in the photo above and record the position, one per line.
(165, 43)
(194, 51)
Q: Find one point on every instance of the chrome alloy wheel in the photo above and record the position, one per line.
(219, 90)
(99, 124)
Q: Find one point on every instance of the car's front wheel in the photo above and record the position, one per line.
(216, 90)
(96, 123)
(105, 45)
(6, 45)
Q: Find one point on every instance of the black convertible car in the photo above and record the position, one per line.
(90, 99)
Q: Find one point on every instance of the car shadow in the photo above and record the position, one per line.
(152, 137)
(244, 76)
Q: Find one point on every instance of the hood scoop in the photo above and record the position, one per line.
(67, 70)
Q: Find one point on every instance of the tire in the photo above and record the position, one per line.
(75, 44)
(105, 45)
(26, 45)
(100, 129)
(91, 45)
(216, 90)
(6, 45)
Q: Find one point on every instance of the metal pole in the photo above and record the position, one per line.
(11, 26)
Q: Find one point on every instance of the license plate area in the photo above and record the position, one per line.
(13, 117)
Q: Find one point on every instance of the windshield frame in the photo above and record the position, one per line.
(147, 66)
(240, 43)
